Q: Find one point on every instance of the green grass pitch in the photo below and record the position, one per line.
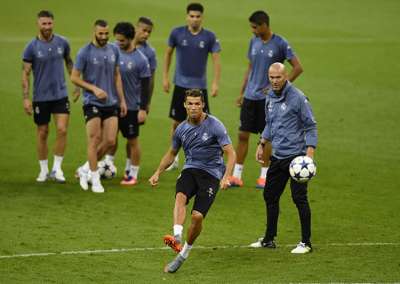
(350, 54)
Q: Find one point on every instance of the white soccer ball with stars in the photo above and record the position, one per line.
(302, 169)
(107, 169)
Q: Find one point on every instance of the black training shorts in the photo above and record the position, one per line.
(252, 116)
(42, 110)
(198, 183)
(92, 111)
(128, 125)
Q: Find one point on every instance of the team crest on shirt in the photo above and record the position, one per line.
(253, 51)
(270, 53)
(39, 54)
(59, 50)
(205, 136)
(270, 107)
(184, 42)
(130, 65)
(201, 44)
(95, 61)
(113, 58)
(283, 106)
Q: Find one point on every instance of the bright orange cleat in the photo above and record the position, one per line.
(235, 182)
(172, 243)
(260, 184)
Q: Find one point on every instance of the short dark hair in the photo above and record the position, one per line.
(145, 20)
(45, 14)
(125, 28)
(259, 18)
(195, 7)
(101, 23)
(194, 93)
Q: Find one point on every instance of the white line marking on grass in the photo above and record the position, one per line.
(119, 250)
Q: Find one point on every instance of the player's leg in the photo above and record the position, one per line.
(277, 179)
(241, 153)
(299, 197)
(133, 171)
(185, 189)
(207, 187)
(94, 137)
(41, 116)
(129, 128)
(110, 130)
(110, 154)
(247, 125)
(193, 232)
(260, 125)
(179, 216)
(128, 161)
(42, 132)
(61, 121)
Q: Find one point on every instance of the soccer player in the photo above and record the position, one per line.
(97, 63)
(193, 43)
(204, 140)
(292, 131)
(45, 55)
(144, 28)
(265, 48)
(135, 74)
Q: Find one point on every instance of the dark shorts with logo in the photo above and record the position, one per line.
(252, 116)
(129, 125)
(177, 111)
(198, 183)
(42, 110)
(92, 111)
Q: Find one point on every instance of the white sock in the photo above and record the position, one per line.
(85, 166)
(57, 162)
(109, 158)
(133, 172)
(185, 250)
(178, 230)
(44, 166)
(263, 173)
(237, 171)
(128, 165)
(95, 176)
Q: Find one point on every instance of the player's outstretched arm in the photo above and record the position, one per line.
(26, 71)
(230, 154)
(165, 162)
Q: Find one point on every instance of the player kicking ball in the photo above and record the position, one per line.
(204, 140)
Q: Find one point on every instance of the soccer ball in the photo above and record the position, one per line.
(107, 170)
(302, 169)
